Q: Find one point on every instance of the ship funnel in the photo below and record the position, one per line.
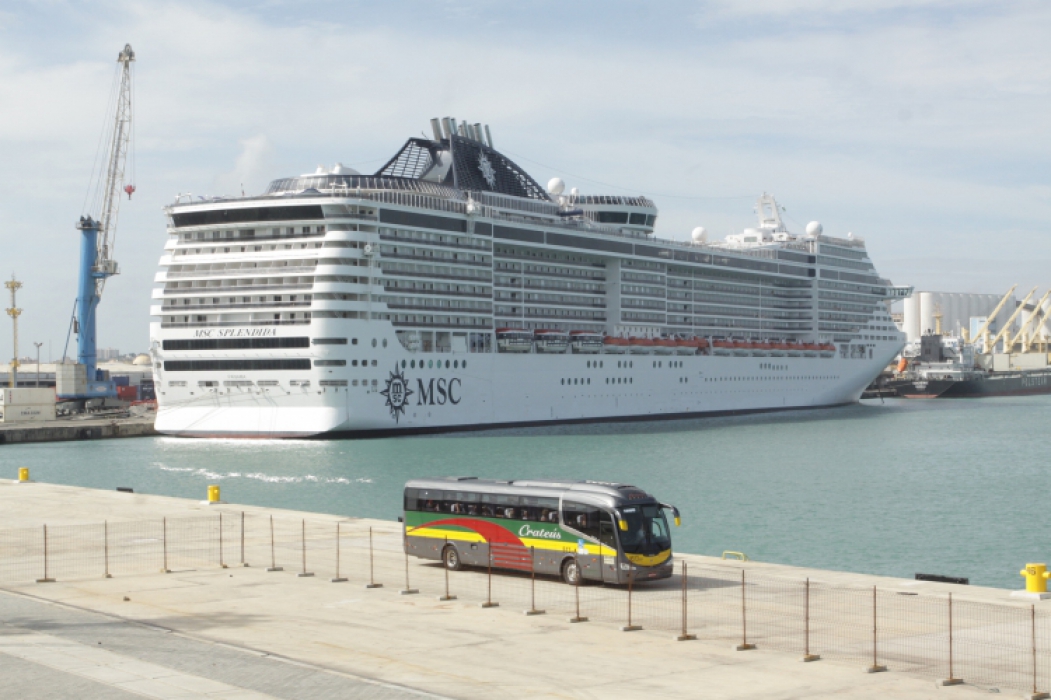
(488, 136)
(436, 129)
(447, 127)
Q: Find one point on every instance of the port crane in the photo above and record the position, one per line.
(1005, 331)
(1023, 332)
(98, 237)
(984, 330)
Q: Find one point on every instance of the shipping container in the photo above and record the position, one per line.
(27, 396)
(127, 393)
(27, 414)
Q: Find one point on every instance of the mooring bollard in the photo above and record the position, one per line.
(489, 580)
(303, 548)
(685, 636)
(372, 570)
(631, 584)
(23, 475)
(164, 545)
(807, 656)
(213, 495)
(744, 645)
(338, 578)
(407, 590)
(875, 667)
(446, 567)
(105, 548)
(47, 578)
(532, 584)
(273, 556)
(576, 591)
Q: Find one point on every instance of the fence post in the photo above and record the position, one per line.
(446, 568)
(576, 590)
(222, 564)
(685, 636)
(273, 556)
(1036, 695)
(631, 581)
(303, 549)
(952, 679)
(105, 545)
(47, 578)
(875, 667)
(407, 590)
(489, 580)
(164, 544)
(338, 578)
(744, 645)
(807, 656)
(243, 563)
(532, 584)
(372, 571)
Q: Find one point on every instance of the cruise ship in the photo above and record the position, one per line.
(450, 291)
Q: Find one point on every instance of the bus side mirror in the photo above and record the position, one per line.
(622, 524)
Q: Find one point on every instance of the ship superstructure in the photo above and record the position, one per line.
(449, 290)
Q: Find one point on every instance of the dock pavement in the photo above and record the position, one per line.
(245, 632)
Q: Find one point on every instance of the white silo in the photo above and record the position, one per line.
(911, 317)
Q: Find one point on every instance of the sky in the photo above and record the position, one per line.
(918, 125)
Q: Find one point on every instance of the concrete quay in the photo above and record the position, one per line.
(246, 632)
(76, 429)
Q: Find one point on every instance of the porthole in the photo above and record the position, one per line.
(412, 364)
(373, 342)
(403, 364)
(430, 363)
(601, 364)
(384, 342)
(563, 382)
(589, 380)
(463, 364)
(446, 364)
(456, 364)
(589, 364)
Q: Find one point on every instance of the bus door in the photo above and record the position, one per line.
(596, 546)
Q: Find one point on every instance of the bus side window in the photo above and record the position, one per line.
(411, 496)
(582, 518)
(606, 531)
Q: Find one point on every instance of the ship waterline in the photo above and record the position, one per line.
(449, 291)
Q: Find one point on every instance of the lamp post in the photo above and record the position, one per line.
(38, 363)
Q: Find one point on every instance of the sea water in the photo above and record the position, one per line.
(952, 487)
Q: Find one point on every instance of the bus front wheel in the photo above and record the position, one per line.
(571, 572)
(452, 559)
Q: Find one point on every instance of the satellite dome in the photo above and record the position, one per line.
(574, 191)
(699, 235)
(143, 359)
(814, 229)
(341, 169)
(555, 186)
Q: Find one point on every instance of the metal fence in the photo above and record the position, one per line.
(933, 635)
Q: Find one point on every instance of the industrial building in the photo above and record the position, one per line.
(956, 311)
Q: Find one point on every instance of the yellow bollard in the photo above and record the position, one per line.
(1036, 576)
(23, 475)
(213, 494)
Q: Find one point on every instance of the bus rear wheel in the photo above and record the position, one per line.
(452, 559)
(571, 572)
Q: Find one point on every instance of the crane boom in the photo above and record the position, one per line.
(1007, 325)
(1025, 326)
(991, 317)
(98, 236)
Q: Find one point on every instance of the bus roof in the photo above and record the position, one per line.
(554, 487)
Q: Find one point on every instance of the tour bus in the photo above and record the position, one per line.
(579, 530)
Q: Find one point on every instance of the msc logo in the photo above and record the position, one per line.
(397, 393)
(435, 392)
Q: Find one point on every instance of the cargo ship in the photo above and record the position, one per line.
(450, 291)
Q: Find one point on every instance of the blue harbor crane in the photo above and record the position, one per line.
(97, 240)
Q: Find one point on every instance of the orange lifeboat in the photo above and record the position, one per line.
(640, 346)
(614, 346)
(902, 365)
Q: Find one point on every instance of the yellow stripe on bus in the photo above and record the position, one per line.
(535, 543)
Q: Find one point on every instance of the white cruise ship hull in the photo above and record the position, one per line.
(492, 390)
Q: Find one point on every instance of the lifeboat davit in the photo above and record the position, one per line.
(585, 342)
(551, 342)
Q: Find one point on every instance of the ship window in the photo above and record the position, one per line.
(638, 219)
(403, 364)
(563, 382)
(463, 364)
(430, 363)
(374, 363)
(456, 364)
(373, 342)
(353, 363)
(330, 341)
(330, 363)
(412, 364)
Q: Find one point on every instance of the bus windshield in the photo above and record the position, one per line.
(647, 531)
